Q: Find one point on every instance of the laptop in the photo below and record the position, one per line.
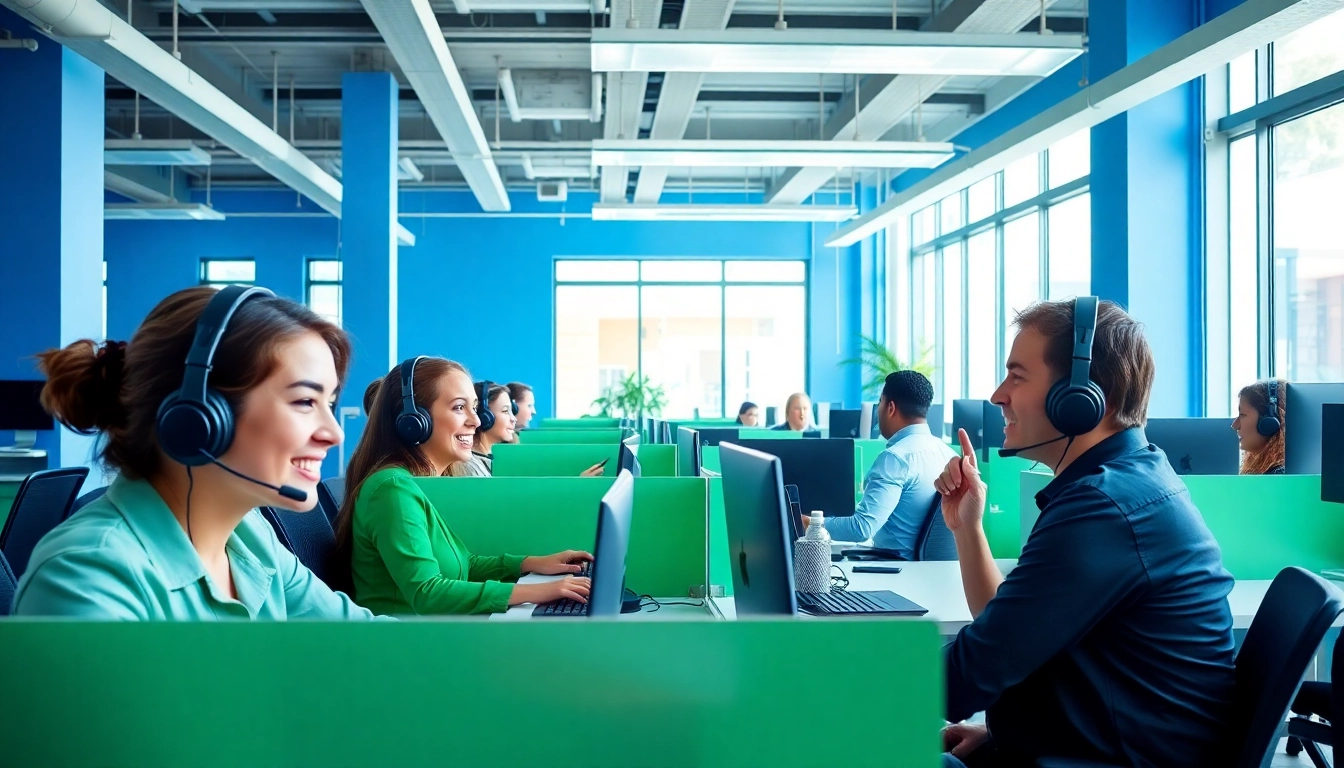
(608, 567)
(761, 547)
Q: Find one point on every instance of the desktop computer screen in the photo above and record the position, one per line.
(1302, 428)
(1197, 446)
(688, 452)
(1332, 453)
(628, 459)
(970, 416)
(715, 435)
(845, 423)
(991, 429)
(823, 470)
(20, 408)
(936, 417)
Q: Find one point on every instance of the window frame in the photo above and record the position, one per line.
(203, 274)
(339, 283)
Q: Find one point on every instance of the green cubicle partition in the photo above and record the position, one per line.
(517, 460)
(1003, 478)
(1263, 523)
(541, 515)
(461, 692)
(569, 436)
(595, 422)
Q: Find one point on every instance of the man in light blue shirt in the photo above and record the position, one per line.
(898, 493)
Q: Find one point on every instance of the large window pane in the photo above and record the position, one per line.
(953, 348)
(1070, 225)
(681, 271)
(949, 212)
(1021, 271)
(981, 327)
(227, 271)
(682, 346)
(765, 271)
(596, 343)
(1021, 180)
(1241, 90)
(980, 201)
(1071, 158)
(924, 295)
(1244, 269)
(1309, 247)
(1309, 53)
(596, 271)
(325, 300)
(923, 226)
(766, 335)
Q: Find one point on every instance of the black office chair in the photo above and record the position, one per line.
(307, 534)
(1320, 700)
(7, 585)
(43, 502)
(935, 541)
(330, 496)
(1293, 619)
(83, 501)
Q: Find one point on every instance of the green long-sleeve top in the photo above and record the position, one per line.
(406, 560)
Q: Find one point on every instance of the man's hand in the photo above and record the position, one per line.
(964, 738)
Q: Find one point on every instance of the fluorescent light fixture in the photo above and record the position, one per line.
(711, 212)
(408, 171)
(509, 91)
(559, 168)
(153, 152)
(831, 51)
(704, 153)
(160, 212)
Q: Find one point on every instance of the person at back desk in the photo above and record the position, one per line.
(1112, 638)
(898, 492)
(1260, 423)
(797, 414)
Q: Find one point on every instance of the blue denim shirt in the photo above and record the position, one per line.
(1112, 638)
(897, 493)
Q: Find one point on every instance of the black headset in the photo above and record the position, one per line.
(414, 426)
(1269, 424)
(483, 411)
(195, 423)
(1076, 405)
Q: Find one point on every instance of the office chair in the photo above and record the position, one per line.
(82, 501)
(7, 585)
(330, 496)
(935, 541)
(43, 502)
(307, 534)
(1321, 700)
(1293, 619)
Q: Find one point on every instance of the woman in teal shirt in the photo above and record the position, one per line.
(170, 541)
(404, 559)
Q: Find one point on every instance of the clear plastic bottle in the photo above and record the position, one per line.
(816, 527)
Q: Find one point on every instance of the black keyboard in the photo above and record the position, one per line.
(839, 602)
(566, 606)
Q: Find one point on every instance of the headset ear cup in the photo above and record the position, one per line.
(221, 414)
(186, 428)
(414, 428)
(1075, 411)
(483, 412)
(1268, 426)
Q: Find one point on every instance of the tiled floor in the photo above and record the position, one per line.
(1282, 760)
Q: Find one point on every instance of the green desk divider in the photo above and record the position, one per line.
(1263, 523)
(541, 515)
(569, 436)
(514, 460)
(720, 567)
(768, 434)
(1003, 476)
(709, 459)
(460, 693)
(595, 422)
(657, 460)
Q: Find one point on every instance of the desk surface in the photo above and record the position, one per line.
(937, 586)
(666, 613)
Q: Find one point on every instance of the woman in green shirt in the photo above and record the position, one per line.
(404, 559)
(177, 535)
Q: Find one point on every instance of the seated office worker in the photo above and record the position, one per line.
(526, 400)
(1112, 638)
(177, 535)
(749, 415)
(404, 559)
(1260, 424)
(797, 414)
(496, 425)
(898, 493)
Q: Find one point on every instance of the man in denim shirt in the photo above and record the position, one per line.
(1112, 638)
(898, 493)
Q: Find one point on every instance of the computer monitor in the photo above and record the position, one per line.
(970, 416)
(688, 452)
(1332, 453)
(823, 416)
(991, 429)
(823, 470)
(1303, 408)
(1197, 446)
(758, 532)
(613, 542)
(937, 426)
(716, 435)
(20, 408)
(846, 423)
(665, 438)
(628, 459)
(771, 416)
(868, 420)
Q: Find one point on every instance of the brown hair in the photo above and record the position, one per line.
(116, 389)
(380, 447)
(517, 390)
(1272, 455)
(1122, 361)
(371, 393)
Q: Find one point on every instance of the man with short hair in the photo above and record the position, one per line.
(1111, 640)
(898, 493)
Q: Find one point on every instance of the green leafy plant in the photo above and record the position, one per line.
(634, 397)
(877, 360)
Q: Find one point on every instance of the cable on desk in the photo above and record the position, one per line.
(646, 601)
(840, 582)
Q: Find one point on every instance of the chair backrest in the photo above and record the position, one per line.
(1288, 628)
(43, 501)
(82, 501)
(935, 541)
(7, 585)
(307, 534)
(330, 496)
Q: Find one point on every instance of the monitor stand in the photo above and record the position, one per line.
(24, 442)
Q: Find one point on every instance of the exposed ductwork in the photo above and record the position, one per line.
(625, 93)
(413, 36)
(94, 32)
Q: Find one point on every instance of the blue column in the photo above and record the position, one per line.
(835, 316)
(51, 214)
(368, 231)
(1146, 192)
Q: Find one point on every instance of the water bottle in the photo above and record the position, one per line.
(812, 557)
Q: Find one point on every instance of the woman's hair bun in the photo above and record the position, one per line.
(84, 380)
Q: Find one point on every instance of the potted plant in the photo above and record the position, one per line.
(634, 397)
(878, 360)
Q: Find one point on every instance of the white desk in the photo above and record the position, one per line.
(937, 586)
(666, 613)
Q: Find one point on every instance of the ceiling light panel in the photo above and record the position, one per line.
(153, 152)
(712, 212)
(701, 153)
(160, 212)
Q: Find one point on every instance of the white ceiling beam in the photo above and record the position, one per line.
(625, 94)
(1242, 29)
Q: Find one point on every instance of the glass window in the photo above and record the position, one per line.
(1021, 180)
(323, 288)
(1244, 269)
(1309, 247)
(982, 371)
(980, 199)
(681, 346)
(596, 271)
(1070, 158)
(681, 271)
(764, 361)
(221, 272)
(922, 226)
(953, 348)
(1241, 85)
(1021, 271)
(924, 295)
(596, 343)
(765, 271)
(949, 211)
(1070, 247)
(1308, 54)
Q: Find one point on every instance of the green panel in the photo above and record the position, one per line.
(709, 459)
(541, 515)
(768, 434)
(1002, 521)
(513, 460)
(595, 422)
(462, 693)
(720, 567)
(658, 460)
(569, 436)
(8, 491)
